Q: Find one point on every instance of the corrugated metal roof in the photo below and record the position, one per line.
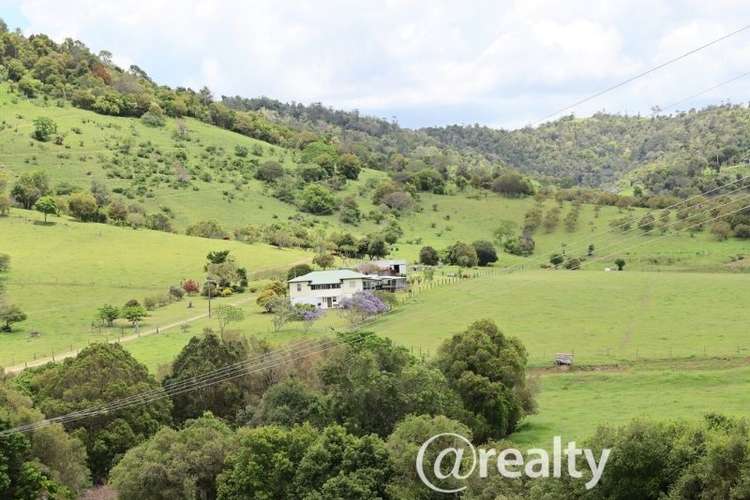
(323, 277)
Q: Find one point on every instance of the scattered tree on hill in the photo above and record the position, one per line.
(269, 171)
(522, 245)
(620, 263)
(647, 223)
(349, 212)
(83, 207)
(47, 206)
(721, 230)
(44, 129)
(512, 184)
(9, 315)
(323, 260)
(461, 254)
(486, 253)
(225, 314)
(29, 188)
(317, 200)
(206, 229)
(429, 256)
(556, 259)
(134, 314)
(108, 314)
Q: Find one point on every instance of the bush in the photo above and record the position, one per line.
(486, 253)
(461, 254)
(317, 200)
(44, 129)
(429, 256)
(207, 229)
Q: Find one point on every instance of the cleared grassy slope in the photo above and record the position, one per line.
(60, 274)
(601, 317)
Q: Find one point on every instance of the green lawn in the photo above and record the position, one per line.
(573, 405)
(600, 317)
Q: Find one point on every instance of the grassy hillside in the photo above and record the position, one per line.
(601, 317)
(61, 273)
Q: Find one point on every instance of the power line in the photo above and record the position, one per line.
(641, 75)
(702, 92)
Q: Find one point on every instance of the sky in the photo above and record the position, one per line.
(504, 64)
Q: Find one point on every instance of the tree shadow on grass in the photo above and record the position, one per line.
(43, 223)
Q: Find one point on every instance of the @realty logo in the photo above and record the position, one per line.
(445, 461)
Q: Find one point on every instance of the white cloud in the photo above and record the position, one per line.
(501, 63)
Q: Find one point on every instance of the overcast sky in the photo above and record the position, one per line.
(498, 63)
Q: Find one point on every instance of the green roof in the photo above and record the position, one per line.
(323, 277)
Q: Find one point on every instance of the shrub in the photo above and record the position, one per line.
(486, 253)
(298, 270)
(44, 129)
(317, 200)
(207, 229)
(429, 256)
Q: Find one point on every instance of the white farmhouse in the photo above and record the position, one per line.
(326, 289)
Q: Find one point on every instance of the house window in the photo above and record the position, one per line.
(334, 300)
(299, 287)
(326, 286)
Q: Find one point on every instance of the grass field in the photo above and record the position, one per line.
(60, 274)
(573, 405)
(600, 317)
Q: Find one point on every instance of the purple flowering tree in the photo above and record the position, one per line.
(361, 306)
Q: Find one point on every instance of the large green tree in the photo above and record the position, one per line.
(199, 356)
(98, 375)
(488, 370)
(176, 464)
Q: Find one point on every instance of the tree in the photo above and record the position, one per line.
(265, 463)
(191, 287)
(324, 260)
(377, 248)
(317, 200)
(486, 253)
(44, 129)
(512, 184)
(29, 188)
(291, 402)
(298, 270)
(10, 314)
(349, 166)
(504, 231)
(269, 171)
(647, 223)
(176, 464)
(556, 259)
(340, 465)
(372, 385)
(99, 374)
(225, 314)
(488, 371)
(721, 230)
(47, 206)
(620, 263)
(361, 306)
(206, 229)
(134, 314)
(429, 256)
(83, 207)
(461, 254)
(202, 355)
(108, 314)
(350, 213)
(403, 446)
(20, 476)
